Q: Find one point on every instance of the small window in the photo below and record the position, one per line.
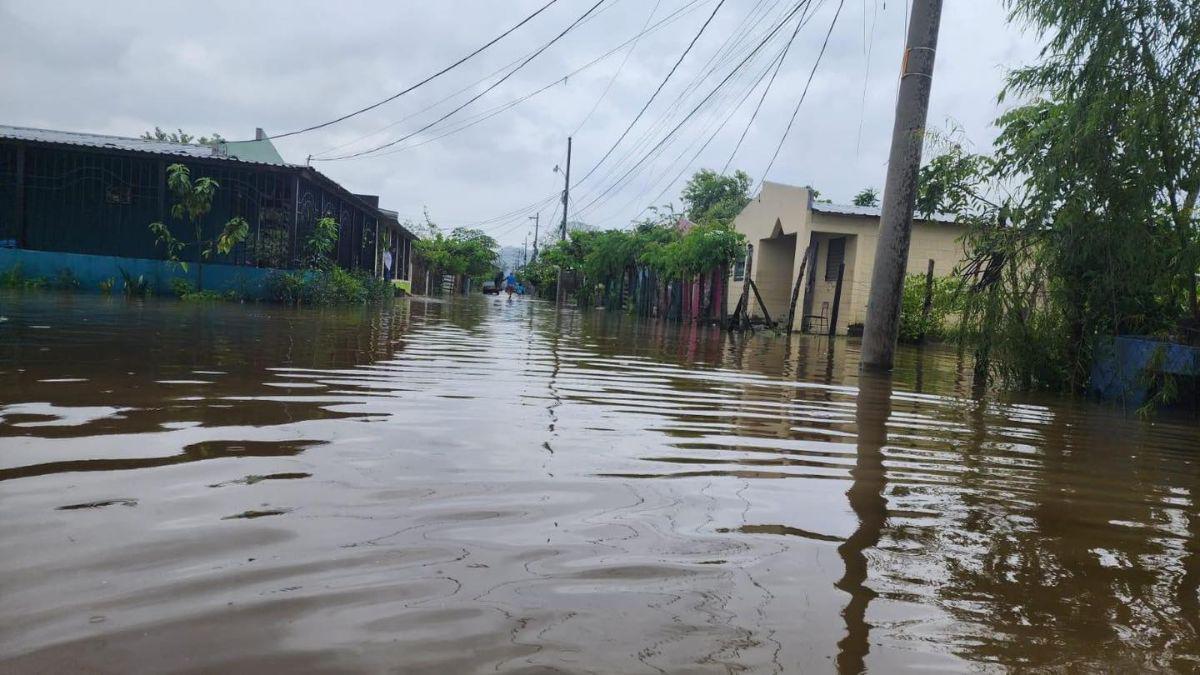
(739, 268)
(834, 258)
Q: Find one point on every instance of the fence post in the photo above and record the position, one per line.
(837, 301)
(791, 317)
(928, 301)
(746, 277)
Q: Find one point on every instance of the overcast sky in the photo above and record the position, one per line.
(123, 67)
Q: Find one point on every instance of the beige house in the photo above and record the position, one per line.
(783, 220)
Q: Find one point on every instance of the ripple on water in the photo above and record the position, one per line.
(479, 485)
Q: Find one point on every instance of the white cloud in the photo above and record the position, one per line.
(123, 67)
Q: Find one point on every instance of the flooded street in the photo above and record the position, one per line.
(483, 486)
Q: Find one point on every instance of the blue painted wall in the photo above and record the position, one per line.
(1119, 371)
(92, 269)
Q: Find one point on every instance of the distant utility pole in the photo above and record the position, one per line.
(525, 250)
(900, 191)
(537, 217)
(562, 234)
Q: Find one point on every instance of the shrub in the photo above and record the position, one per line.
(946, 301)
(206, 296)
(65, 280)
(284, 287)
(181, 287)
(107, 285)
(332, 286)
(12, 277)
(134, 287)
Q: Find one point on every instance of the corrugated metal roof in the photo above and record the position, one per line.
(874, 211)
(103, 141)
(251, 152)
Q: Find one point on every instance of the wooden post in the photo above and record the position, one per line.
(766, 314)
(928, 301)
(837, 301)
(744, 303)
(791, 318)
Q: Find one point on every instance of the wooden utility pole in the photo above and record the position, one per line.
(900, 192)
(537, 217)
(562, 233)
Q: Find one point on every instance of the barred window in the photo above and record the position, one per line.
(834, 258)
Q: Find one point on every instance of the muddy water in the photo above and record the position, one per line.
(483, 486)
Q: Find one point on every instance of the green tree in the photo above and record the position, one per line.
(709, 197)
(464, 251)
(319, 244)
(193, 201)
(868, 196)
(181, 136)
(1083, 222)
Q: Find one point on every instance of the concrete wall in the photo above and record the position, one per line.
(785, 210)
(90, 270)
(777, 210)
(773, 273)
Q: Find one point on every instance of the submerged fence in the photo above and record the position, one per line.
(641, 291)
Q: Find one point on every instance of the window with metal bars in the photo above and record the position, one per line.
(834, 257)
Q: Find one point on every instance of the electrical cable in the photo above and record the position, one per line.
(762, 98)
(687, 7)
(476, 97)
(776, 62)
(804, 93)
(731, 45)
(707, 97)
(662, 84)
(423, 82)
(492, 112)
(617, 74)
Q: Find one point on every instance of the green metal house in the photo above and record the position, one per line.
(83, 202)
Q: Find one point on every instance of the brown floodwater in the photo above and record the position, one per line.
(482, 486)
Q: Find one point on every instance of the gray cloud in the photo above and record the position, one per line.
(123, 67)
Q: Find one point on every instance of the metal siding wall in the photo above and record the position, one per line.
(8, 194)
(98, 203)
(89, 203)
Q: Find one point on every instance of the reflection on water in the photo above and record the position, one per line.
(871, 411)
(484, 485)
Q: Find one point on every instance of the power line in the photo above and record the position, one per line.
(662, 84)
(714, 62)
(868, 47)
(803, 22)
(621, 67)
(705, 100)
(804, 93)
(492, 112)
(470, 86)
(427, 80)
(776, 61)
(476, 97)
